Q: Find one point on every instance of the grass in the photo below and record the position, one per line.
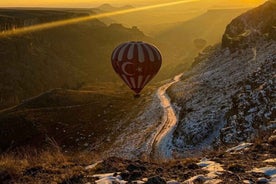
(53, 166)
(48, 166)
(90, 118)
(23, 165)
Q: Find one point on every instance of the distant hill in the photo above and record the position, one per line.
(182, 37)
(147, 19)
(152, 20)
(67, 56)
(209, 26)
(108, 7)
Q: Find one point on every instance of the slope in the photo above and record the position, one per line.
(228, 95)
(75, 120)
(67, 57)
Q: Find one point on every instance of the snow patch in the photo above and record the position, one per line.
(203, 179)
(93, 165)
(173, 182)
(272, 160)
(240, 147)
(210, 166)
(268, 171)
(109, 178)
(214, 169)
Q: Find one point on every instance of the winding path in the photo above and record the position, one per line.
(161, 142)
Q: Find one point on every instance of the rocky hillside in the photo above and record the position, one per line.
(229, 95)
(253, 105)
(245, 29)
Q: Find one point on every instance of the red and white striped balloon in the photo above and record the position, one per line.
(136, 63)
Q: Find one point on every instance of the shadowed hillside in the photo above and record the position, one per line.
(67, 56)
(87, 119)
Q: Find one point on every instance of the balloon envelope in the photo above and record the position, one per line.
(136, 63)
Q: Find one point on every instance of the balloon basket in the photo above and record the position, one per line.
(136, 95)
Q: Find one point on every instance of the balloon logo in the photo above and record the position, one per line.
(136, 63)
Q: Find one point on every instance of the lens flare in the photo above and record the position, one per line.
(59, 23)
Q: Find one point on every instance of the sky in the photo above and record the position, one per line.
(93, 3)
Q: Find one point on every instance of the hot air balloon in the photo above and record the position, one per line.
(136, 63)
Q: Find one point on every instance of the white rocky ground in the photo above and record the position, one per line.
(215, 172)
(135, 141)
(150, 135)
(205, 95)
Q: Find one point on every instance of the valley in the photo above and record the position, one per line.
(207, 117)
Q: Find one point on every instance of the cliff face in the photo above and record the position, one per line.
(259, 23)
(253, 106)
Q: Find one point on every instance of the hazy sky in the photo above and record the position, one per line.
(91, 3)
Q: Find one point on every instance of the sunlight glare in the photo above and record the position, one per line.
(59, 23)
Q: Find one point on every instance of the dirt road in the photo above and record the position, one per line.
(161, 143)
